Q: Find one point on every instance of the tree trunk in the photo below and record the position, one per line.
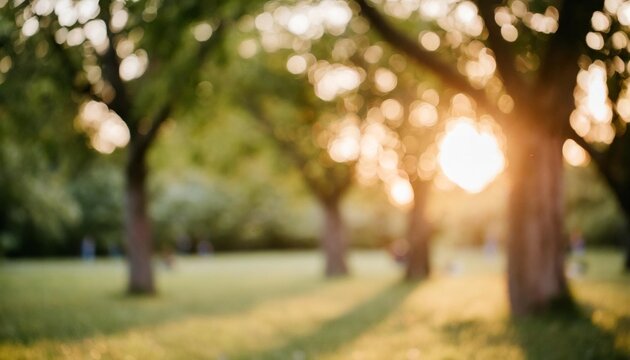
(623, 196)
(138, 229)
(617, 176)
(537, 238)
(626, 264)
(418, 234)
(622, 192)
(333, 240)
(626, 237)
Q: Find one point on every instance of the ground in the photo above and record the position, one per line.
(277, 306)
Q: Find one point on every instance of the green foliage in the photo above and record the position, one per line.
(232, 215)
(48, 78)
(36, 207)
(47, 208)
(232, 183)
(98, 192)
(592, 210)
(227, 188)
(286, 111)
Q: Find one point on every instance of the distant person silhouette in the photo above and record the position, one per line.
(88, 248)
(578, 265)
(204, 248)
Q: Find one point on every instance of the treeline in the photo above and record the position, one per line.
(53, 214)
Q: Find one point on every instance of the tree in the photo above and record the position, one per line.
(372, 88)
(538, 76)
(36, 209)
(592, 212)
(612, 159)
(217, 186)
(137, 63)
(292, 117)
(305, 123)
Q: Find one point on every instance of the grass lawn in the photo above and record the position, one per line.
(277, 306)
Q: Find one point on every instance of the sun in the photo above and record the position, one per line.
(470, 157)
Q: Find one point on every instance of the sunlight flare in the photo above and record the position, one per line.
(470, 157)
(400, 192)
(574, 154)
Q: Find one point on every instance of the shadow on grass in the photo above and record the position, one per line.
(342, 330)
(568, 334)
(565, 335)
(106, 313)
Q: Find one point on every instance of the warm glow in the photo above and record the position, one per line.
(430, 40)
(433, 9)
(296, 64)
(86, 10)
(119, 20)
(600, 21)
(466, 19)
(378, 150)
(247, 48)
(373, 54)
(331, 80)
(43, 7)
(470, 157)
(96, 32)
(509, 32)
(385, 80)
(481, 70)
(124, 48)
(133, 66)
(345, 145)
(298, 24)
(574, 154)
(302, 20)
(623, 103)
(69, 12)
(423, 114)
(505, 103)
(202, 31)
(107, 131)
(30, 27)
(623, 13)
(75, 37)
(546, 23)
(344, 149)
(391, 109)
(619, 40)
(597, 96)
(400, 192)
(594, 110)
(388, 162)
(595, 40)
(466, 12)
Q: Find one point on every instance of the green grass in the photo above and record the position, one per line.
(277, 306)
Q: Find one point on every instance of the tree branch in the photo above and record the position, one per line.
(327, 188)
(267, 125)
(110, 66)
(444, 71)
(70, 67)
(598, 157)
(603, 160)
(559, 65)
(287, 147)
(144, 141)
(502, 52)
